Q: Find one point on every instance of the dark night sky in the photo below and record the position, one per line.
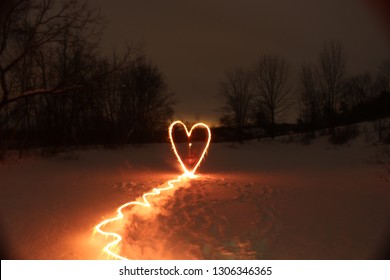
(195, 42)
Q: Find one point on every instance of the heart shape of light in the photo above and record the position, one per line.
(188, 172)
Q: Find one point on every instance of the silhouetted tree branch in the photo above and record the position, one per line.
(309, 97)
(236, 92)
(270, 85)
(331, 72)
(28, 27)
(383, 77)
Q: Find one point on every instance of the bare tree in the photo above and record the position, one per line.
(331, 71)
(236, 92)
(383, 77)
(60, 91)
(31, 32)
(105, 83)
(146, 101)
(270, 84)
(27, 28)
(309, 98)
(356, 90)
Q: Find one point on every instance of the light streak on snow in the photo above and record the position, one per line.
(112, 247)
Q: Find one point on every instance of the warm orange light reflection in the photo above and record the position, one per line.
(112, 247)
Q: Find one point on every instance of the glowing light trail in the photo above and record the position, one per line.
(186, 171)
(110, 248)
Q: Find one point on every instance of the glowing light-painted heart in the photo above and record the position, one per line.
(111, 249)
(202, 155)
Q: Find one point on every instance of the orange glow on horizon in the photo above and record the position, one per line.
(112, 247)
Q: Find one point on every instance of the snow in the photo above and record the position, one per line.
(257, 200)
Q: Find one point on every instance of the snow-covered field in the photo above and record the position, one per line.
(259, 200)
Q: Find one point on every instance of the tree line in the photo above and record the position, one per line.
(326, 97)
(57, 89)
